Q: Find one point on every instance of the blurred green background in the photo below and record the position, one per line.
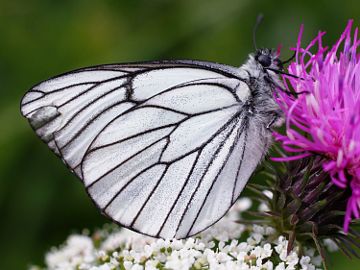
(40, 201)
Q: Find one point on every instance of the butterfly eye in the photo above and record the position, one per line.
(264, 60)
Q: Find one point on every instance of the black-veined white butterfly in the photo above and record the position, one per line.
(163, 148)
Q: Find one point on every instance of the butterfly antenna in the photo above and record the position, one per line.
(284, 73)
(290, 59)
(289, 93)
(256, 26)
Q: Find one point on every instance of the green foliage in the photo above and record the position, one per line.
(304, 204)
(40, 201)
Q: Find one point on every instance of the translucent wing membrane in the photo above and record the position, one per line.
(161, 147)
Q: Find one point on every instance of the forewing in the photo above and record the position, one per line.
(160, 147)
(68, 111)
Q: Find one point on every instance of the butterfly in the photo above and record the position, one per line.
(163, 148)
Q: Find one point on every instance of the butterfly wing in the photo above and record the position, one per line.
(161, 147)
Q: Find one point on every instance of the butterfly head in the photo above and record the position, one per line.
(267, 58)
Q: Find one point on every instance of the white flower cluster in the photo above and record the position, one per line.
(219, 247)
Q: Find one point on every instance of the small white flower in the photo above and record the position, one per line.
(222, 257)
(243, 204)
(77, 250)
(267, 251)
(128, 265)
(280, 266)
(305, 263)
(292, 259)
(101, 267)
(331, 245)
(137, 267)
(151, 264)
(263, 207)
(268, 194)
(217, 248)
(268, 265)
(269, 231)
(254, 239)
(317, 260)
(258, 229)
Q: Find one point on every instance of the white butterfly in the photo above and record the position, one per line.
(163, 148)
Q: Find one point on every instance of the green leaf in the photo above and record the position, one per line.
(312, 210)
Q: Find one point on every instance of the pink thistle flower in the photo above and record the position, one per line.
(324, 117)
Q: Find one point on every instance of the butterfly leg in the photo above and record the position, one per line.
(276, 120)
